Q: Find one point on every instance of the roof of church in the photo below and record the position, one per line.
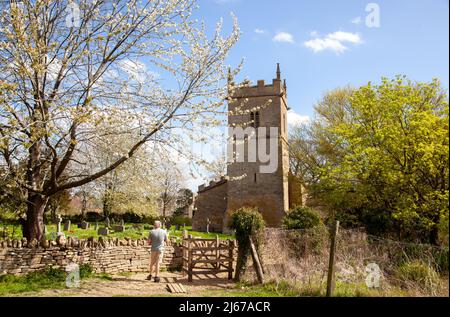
(212, 184)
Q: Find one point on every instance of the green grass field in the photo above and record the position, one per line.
(131, 231)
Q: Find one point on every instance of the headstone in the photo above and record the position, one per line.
(121, 227)
(96, 226)
(84, 225)
(107, 222)
(67, 225)
(207, 225)
(103, 231)
(58, 231)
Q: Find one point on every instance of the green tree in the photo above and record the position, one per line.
(383, 155)
(301, 218)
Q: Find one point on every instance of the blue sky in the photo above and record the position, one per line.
(320, 44)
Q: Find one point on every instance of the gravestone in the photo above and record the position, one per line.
(96, 226)
(84, 225)
(58, 230)
(107, 222)
(67, 225)
(207, 225)
(121, 227)
(103, 231)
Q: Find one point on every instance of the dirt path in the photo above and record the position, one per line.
(137, 285)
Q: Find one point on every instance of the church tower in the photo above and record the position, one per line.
(263, 105)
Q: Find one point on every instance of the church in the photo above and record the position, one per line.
(260, 106)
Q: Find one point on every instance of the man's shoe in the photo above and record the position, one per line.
(149, 277)
(157, 279)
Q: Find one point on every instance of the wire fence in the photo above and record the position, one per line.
(362, 262)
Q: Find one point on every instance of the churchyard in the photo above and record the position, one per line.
(109, 115)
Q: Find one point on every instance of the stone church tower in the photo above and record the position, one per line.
(263, 105)
(246, 185)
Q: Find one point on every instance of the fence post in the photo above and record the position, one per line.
(217, 264)
(256, 262)
(231, 245)
(189, 261)
(330, 279)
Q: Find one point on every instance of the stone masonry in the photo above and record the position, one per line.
(263, 105)
(105, 255)
(211, 206)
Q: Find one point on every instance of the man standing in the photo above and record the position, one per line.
(156, 239)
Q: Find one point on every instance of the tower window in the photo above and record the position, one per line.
(254, 118)
(255, 178)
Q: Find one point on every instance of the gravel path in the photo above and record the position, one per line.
(137, 285)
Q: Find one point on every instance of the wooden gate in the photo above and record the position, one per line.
(207, 256)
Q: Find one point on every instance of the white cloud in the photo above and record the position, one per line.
(283, 37)
(137, 70)
(314, 34)
(259, 31)
(345, 37)
(295, 119)
(356, 20)
(333, 42)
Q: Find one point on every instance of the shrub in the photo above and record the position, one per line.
(86, 270)
(301, 218)
(419, 273)
(246, 222)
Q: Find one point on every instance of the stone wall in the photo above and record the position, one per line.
(211, 203)
(105, 255)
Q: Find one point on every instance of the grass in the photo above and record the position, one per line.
(288, 289)
(48, 278)
(271, 289)
(15, 232)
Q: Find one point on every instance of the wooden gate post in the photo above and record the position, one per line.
(331, 263)
(256, 262)
(190, 265)
(231, 245)
(217, 264)
(189, 259)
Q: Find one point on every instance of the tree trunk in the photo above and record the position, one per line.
(33, 226)
(434, 235)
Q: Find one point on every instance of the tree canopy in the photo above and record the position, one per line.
(378, 155)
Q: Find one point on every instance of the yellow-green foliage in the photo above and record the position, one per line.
(381, 151)
(418, 273)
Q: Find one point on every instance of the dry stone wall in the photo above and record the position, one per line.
(105, 255)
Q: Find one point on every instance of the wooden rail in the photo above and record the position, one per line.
(207, 256)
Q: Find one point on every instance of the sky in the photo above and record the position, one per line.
(325, 44)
